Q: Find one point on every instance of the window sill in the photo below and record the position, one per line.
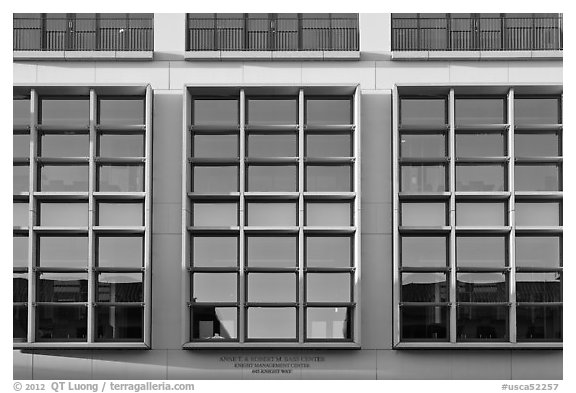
(478, 345)
(82, 55)
(478, 55)
(271, 55)
(267, 345)
(81, 345)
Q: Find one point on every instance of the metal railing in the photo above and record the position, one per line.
(94, 34)
(273, 34)
(477, 33)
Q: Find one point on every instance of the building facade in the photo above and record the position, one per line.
(291, 196)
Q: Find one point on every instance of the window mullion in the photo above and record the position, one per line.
(147, 281)
(452, 215)
(242, 320)
(91, 219)
(301, 276)
(511, 220)
(34, 115)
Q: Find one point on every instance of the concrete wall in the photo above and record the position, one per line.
(376, 74)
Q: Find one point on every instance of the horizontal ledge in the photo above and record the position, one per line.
(120, 160)
(271, 127)
(534, 128)
(60, 128)
(329, 160)
(318, 195)
(329, 127)
(72, 55)
(478, 345)
(496, 195)
(265, 55)
(538, 230)
(104, 195)
(537, 160)
(424, 128)
(265, 345)
(119, 229)
(61, 230)
(271, 160)
(496, 54)
(464, 128)
(255, 195)
(63, 160)
(233, 161)
(216, 128)
(80, 345)
(331, 229)
(233, 196)
(21, 128)
(131, 128)
(482, 229)
(48, 195)
(431, 230)
(265, 229)
(482, 160)
(424, 160)
(539, 195)
(235, 229)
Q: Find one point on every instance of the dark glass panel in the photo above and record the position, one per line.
(481, 213)
(480, 111)
(423, 112)
(215, 251)
(482, 323)
(333, 323)
(272, 251)
(218, 111)
(538, 213)
(272, 214)
(328, 214)
(328, 287)
(424, 323)
(20, 178)
(272, 323)
(215, 145)
(63, 251)
(121, 178)
(272, 145)
(424, 251)
(20, 251)
(215, 214)
(21, 112)
(537, 111)
(329, 251)
(536, 145)
(272, 178)
(322, 111)
(272, 112)
(423, 178)
(214, 287)
(121, 145)
(539, 323)
(329, 145)
(64, 214)
(538, 287)
(482, 287)
(422, 145)
(62, 287)
(65, 112)
(215, 179)
(272, 287)
(423, 214)
(19, 287)
(214, 323)
(425, 287)
(64, 145)
(120, 214)
(21, 145)
(331, 178)
(538, 251)
(542, 177)
(19, 322)
(480, 178)
(20, 214)
(120, 251)
(119, 323)
(485, 251)
(72, 178)
(121, 112)
(120, 287)
(480, 145)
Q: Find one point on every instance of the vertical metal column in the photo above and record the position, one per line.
(186, 237)
(243, 310)
(395, 220)
(511, 218)
(148, 218)
(301, 239)
(452, 214)
(92, 276)
(32, 240)
(357, 218)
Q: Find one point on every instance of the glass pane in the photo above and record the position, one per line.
(422, 145)
(536, 145)
(537, 111)
(66, 214)
(539, 287)
(61, 323)
(272, 145)
(480, 145)
(538, 251)
(120, 214)
(19, 287)
(214, 323)
(480, 178)
(215, 145)
(65, 112)
(64, 145)
(425, 287)
(424, 322)
(272, 287)
(119, 323)
(20, 322)
(271, 323)
(319, 111)
(121, 178)
(121, 112)
(537, 323)
(424, 251)
(538, 213)
(480, 111)
(328, 251)
(482, 251)
(270, 112)
(119, 287)
(423, 178)
(214, 287)
(20, 214)
(215, 214)
(21, 176)
(481, 213)
(479, 323)
(62, 287)
(333, 178)
(121, 145)
(272, 251)
(328, 323)
(423, 214)
(211, 112)
(120, 251)
(537, 177)
(482, 287)
(20, 251)
(423, 112)
(217, 179)
(279, 178)
(328, 287)
(328, 145)
(21, 145)
(72, 178)
(272, 214)
(68, 252)
(328, 214)
(214, 251)
(21, 112)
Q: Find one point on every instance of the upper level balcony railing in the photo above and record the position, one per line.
(479, 32)
(272, 32)
(83, 32)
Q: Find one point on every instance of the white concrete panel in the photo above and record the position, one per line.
(199, 364)
(169, 33)
(333, 72)
(63, 365)
(22, 365)
(156, 74)
(479, 72)
(390, 72)
(147, 365)
(480, 364)
(374, 32)
(340, 365)
(535, 72)
(216, 73)
(66, 72)
(273, 73)
(166, 218)
(24, 72)
(415, 365)
(376, 218)
(537, 365)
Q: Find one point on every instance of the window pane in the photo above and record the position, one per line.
(20, 251)
(536, 145)
(481, 213)
(272, 214)
(214, 287)
(218, 179)
(537, 177)
(215, 145)
(539, 287)
(482, 287)
(20, 322)
(119, 323)
(538, 213)
(61, 322)
(480, 178)
(269, 112)
(537, 111)
(423, 112)
(121, 178)
(68, 252)
(214, 251)
(537, 323)
(328, 323)
(272, 251)
(20, 214)
(425, 287)
(21, 176)
(121, 145)
(19, 287)
(480, 251)
(64, 145)
(423, 178)
(211, 112)
(480, 111)
(120, 214)
(120, 251)
(328, 145)
(21, 112)
(425, 251)
(215, 214)
(72, 178)
(65, 112)
(121, 112)
(333, 178)
(334, 111)
(480, 323)
(62, 287)
(538, 251)
(279, 178)
(214, 323)
(119, 287)
(480, 145)
(328, 251)
(328, 287)
(21, 145)
(272, 145)
(272, 287)
(65, 214)
(422, 145)
(328, 214)
(271, 323)
(424, 322)
(423, 214)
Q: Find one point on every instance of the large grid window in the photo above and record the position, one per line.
(272, 237)
(478, 216)
(81, 217)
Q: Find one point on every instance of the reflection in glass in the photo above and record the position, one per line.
(480, 145)
(481, 213)
(65, 112)
(19, 322)
(425, 287)
(542, 177)
(423, 112)
(120, 251)
(328, 251)
(119, 323)
(214, 214)
(539, 323)
(478, 323)
(21, 112)
(62, 287)
(334, 111)
(538, 251)
(214, 323)
(61, 322)
(272, 145)
(328, 287)
(215, 112)
(21, 145)
(64, 178)
(424, 322)
(536, 145)
(64, 145)
(485, 251)
(20, 214)
(121, 178)
(328, 214)
(272, 178)
(215, 145)
(121, 112)
(480, 111)
(328, 323)
(329, 145)
(332, 178)
(537, 111)
(120, 214)
(20, 251)
(271, 214)
(215, 179)
(422, 145)
(272, 287)
(215, 251)
(272, 251)
(64, 214)
(63, 251)
(423, 178)
(482, 287)
(119, 287)
(480, 178)
(423, 214)
(423, 251)
(272, 112)
(272, 323)
(20, 177)
(538, 213)
(214, 287)
(19, 287)
(121, 145)
(538, 287)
